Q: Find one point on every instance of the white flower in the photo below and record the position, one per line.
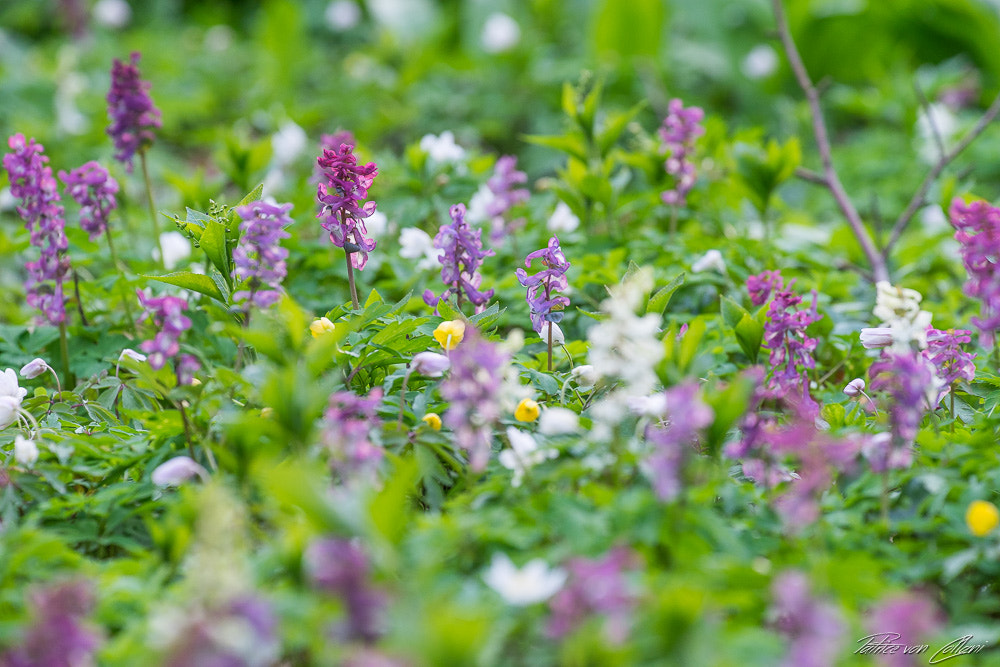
(873, 338)
(129, 353)
(563, 219)
(25, 451)
(533, 583)
(500, 33)
(585, 375)
(558, 421)
(654, 405)
(288, 143)
(760, 62)
(710, 261)
(177, 470)
(376, 224)
(478, 209)
(176, 248)
(416, 243)
(442, 149)
(9, 386)
(523, 454)
(342, 15)
(33, 369)
(7, 200)
(112, 13)
(69, 118)
(558, 338)
(899, 310)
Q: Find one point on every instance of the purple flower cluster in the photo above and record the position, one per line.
(462, 253)
(332, 142)
(350, 418)
(544, 306)
(595, 587)
(687, 415)
(339, 567)
(133, 115)
(342, 198)
(785, 336)
(31, 182)
(259, 258)
(679, 130)
(167, 313)
(910, 381)
(814, 628)
(951, 362)
(477, 368)
(819, 458)
(911, 616)
(503, 184)
(201, 643)
(95, 191)
(978, 232)
(58, 636)
(762, 284)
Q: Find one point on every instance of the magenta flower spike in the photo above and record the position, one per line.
(679, 130)
(341, 192)
(133, 115)
(910, 381)
(462, 254)
(259, 259)
(31, 182)
(977, 228)
(349, 420)
(503, 184)
(95, 191)
(545, 306)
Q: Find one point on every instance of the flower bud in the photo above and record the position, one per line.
(450, 333)
(129, 353)
(25, 451)
(34, 368)
(558, 338)
(876, 337)
(527, 410)
(855, 387)
(430, 364)
(433, 420)
(321, 326)
(176, 470)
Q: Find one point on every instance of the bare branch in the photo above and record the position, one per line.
(875, 259)
(811, 176)
(920, 196)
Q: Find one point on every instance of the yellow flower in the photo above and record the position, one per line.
(527, 411)
(982, 517)
(450, 334)
(321, 326)
(432, 420)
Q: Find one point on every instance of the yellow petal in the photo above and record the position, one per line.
(432, 420)
(982, 517)
(450, 333)
(321, 326)
(527, 411)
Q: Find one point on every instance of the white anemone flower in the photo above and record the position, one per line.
(523, 454)
(533, 583)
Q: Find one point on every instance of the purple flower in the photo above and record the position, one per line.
(761, 285)
(349, 420)
(460, 260)
(910, 381)
(503, 184)
(94, 190)
(133, 115)
(339, 567)
(259, 259)
(687, 415)
(250, 620)
(332, 142)
(814, 628)
(544, 306)
(176, 471)
(187, 366)
(477, 368)
(342, 197)
(978, 232)
(951, 362)
(57, 636)
(32, 183)
(679, 130)
(908, 619)
(430, 364)
(167, 313)
(595, 587)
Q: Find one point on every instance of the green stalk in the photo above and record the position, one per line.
(152, 207)
(121, 287)
(64, 352)
(350, 281)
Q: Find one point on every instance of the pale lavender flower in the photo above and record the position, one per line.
(349, 421)
(241, 632)
(503, 184)
(815, 629)
(687, 415)
(176, 471)
(32, 183)
(951, 362)
(58, 635)
(855, 388)
(595, 587)
(34, 368)
(462, 254)
(546, 307)
(978, 232)
(340, 567)
(259, 259)
(342, 193)
(95, 191)
(472, 388)
(430, 364)
(910, 381)
(133, 115)
(908, 619)
(187, 366)
(680, 129)
(874, 338)
(167, 313)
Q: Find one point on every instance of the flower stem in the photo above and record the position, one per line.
(152, 207)
(64, 352)
(350, 281)
(121, 287)
(187, 429)
(550, 347)
(402, 401)
(79, 301)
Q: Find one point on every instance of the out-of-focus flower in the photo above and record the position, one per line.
(910, 381)
(342, 15)
(341, 568)
(176, 248)
(563, 219)
(288, 143)
(415, 243)
(544, 305)
(433, 420)
(58, 634)
(500, 33)
(873, 338)
(899, 310)
(760, 63)
(951, 362)
(342, 193)
(132, 354)
(977, 228)
(461, 256)
(187, 366)
(266, 412)
(535, 582)
(377, 224)
(450, 333)
(112, 13)
(680, 129)
(585, 374)
(912, 618)
(11, 396)
(259, 258)
(710, 261)
(177, 470)
(815, 629)
(241, 631)
(321, 326)
(34, 368)
(167, 313)
(527, 411)
(25, 451)
(442, 150)
(558, 421)
(982, 517)
(349, 421)
(430, 364)
(133, 115)
(505, 195)
(687, 415)
(523, 454)
(762, 284)
(95, 191)
(596, 587)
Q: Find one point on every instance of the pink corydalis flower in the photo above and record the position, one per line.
(461, 256)
(503, 185)
(341, 192)
(977, 228)
(680, 129)
(166, 313)
(814, 628)
(259, 258)
(133, 115)
(544, 305)
(96, 192)
(349, 421)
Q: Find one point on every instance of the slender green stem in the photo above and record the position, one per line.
(350, 281)
(402, 401)
(79, 301)
(152, 207)
(187, 429)
(121, 285)
(550, 347)
(64, 351)
(954, 417)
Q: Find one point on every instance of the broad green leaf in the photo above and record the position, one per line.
(569, 144)
(732, 312)
(661, 298)
(749, 334)
(195, 282)
(214, 243)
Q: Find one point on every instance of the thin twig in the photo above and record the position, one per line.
(864, 239)
(811, 176)
(921, 194)
(935, 131)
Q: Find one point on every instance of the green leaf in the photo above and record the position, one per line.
(447, 311)
(195, 282)
(569, 144)
(661, 298)
(749, 334)
(732, 312)
(614, 126)
(213, 242)
(627, 29)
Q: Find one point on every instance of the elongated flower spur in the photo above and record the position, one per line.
(460, 260)
(259, 258)
(31, 182)
(95, 191)
(342, 192)
(545, 307)
(133, 115)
